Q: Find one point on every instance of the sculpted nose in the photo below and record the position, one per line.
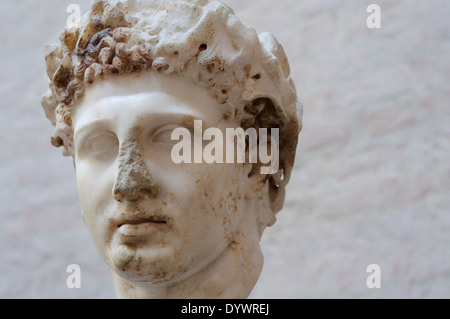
(133, 180)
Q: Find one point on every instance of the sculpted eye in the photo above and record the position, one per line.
(163, 135)
(103, 143)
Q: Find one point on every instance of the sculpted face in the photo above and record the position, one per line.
(153, 221)
(121, 84)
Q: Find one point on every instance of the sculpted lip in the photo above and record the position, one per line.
(139, 227)
(152, 220)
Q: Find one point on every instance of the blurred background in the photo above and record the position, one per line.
(371, 182)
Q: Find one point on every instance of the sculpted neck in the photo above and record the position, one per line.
(231, 276)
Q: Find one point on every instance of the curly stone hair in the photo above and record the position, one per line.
(248, 74)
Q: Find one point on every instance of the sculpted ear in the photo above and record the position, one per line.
(266, 193)
(256, 182)
(270, 186)
(265, 177)
(267, 182)
(268, 165)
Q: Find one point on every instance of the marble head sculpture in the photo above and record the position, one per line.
(120, 83)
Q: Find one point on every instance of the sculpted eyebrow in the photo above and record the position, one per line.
(183, 119)
(86, 128)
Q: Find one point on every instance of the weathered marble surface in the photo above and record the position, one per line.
(120, 84)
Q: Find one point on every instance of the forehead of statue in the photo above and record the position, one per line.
(134, 97)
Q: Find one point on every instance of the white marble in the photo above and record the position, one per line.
(119, 86)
